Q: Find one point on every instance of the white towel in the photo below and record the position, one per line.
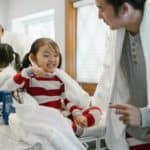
(73, 90)
(46, 126)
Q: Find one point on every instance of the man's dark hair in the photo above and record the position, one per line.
(137, 4)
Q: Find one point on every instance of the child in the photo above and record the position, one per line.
(42, 80)
(7, 56)
(9, 62)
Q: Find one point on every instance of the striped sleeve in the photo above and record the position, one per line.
(72, 108)
(21, 79)
(18, 78)
(17, 81)
(69, 106)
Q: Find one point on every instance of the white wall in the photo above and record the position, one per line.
(3, 12)
(20, 8)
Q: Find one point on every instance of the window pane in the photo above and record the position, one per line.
(33, 26)
(41, 27)
(91, 39)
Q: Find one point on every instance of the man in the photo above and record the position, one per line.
(129, 78)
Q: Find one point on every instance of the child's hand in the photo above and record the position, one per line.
(81, 120)
(39, 72)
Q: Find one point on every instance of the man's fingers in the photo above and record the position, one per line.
(118, 106)
(128, 114)
(124, 118)
(122, 112)
(120, 109)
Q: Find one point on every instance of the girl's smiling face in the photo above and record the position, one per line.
(47, 58)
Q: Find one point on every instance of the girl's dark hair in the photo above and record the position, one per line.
(137, 4)
(60, 61)
(35, 47)
(7, 55)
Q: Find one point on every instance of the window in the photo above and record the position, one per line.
(85, 43)
(41, 24)
(91, 42)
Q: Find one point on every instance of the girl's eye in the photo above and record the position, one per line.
(46, 55)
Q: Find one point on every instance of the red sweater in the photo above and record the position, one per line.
(47, 91)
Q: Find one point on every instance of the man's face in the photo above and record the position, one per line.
(107, 13)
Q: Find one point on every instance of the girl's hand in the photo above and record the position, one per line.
(81, 120)
(39, 72)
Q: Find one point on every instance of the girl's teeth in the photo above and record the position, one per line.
(50, 65)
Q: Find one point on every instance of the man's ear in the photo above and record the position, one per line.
(32, 59)
(125, 11)
(124, 8)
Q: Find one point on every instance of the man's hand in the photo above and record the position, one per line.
(81, 120)
(129, 114)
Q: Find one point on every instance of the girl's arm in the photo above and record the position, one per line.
(19, 80)
(76, 113)
(72, 108)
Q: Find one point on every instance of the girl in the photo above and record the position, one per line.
(9, 62)
(43, 80)
(7, 56)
